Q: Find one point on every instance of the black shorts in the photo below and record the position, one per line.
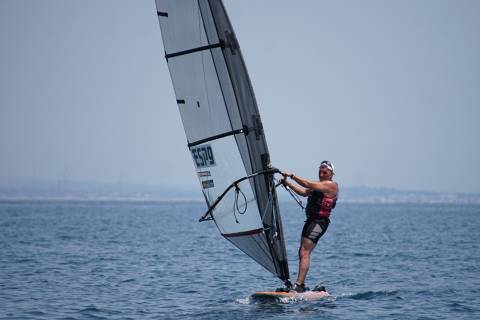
(315, 228)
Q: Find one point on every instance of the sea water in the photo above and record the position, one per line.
(153, 260)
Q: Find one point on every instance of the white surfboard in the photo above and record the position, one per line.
(266, 296)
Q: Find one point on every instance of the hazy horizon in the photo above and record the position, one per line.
(63, 186)
(386, 90)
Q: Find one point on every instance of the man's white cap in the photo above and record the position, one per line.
(328, 164)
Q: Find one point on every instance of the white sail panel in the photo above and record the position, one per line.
(199, 96)
(183, 27)
(216, 176)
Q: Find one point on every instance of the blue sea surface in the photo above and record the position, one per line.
(153, 260)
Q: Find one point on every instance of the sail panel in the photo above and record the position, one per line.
(197, 88)
(216, 176)
(256, 247)
(181, 25)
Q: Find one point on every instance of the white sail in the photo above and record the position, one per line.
(223, 127)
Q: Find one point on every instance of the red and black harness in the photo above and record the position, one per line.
(319, 206)
(318, 212)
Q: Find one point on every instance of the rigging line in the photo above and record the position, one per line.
(225, 211)
(296, 198)
(235, 203)
(210, 209)
(260, 241)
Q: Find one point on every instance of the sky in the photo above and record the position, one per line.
(386, 90)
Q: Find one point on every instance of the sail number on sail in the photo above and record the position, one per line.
(203, 156)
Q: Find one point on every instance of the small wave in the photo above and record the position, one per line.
(368, 295)
(363, 254)
(246, 300)
(458, 307)
(92, 312)
(26, 260)
(65, 237)
(90, 308)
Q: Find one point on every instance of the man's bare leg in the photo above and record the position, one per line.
(306, 247)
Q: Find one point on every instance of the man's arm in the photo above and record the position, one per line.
(298, 190)
(327, 187)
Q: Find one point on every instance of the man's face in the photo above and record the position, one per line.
(324, 173)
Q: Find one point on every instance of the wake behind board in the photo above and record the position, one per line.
(288, 296)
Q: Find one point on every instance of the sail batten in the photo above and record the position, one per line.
(244, 233)
(193, 50)
(215, 137)
(223, 128)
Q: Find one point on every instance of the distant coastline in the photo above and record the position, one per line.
(47, 190)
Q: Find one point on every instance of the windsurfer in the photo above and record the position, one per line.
(322, 197)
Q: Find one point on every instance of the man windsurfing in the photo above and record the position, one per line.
(322, 198)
